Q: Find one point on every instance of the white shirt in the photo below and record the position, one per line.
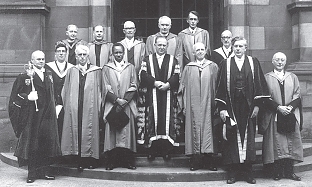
(227, 51)
(201, 63)
(119, 66)
(160, 59)
(83, 68)
(61, 66)
(129, 43)
(239, 62)
(280, 75)
(40, 72)
(192, 30)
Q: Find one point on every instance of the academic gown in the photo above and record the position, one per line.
(90, 112)
(197, 97)
(172, 44)
(240, 146)
(160, 110)
(70, 55)
(218, 55)
(105, 53)
(278, 145)
(135, 54)
(186, 42)
(37, 131)
(120, 83)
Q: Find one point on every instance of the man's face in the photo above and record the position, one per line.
(82, 57)
(192, 20)
(161, 46)
(118, 53)
(279, 61)
(129, 31)
(98, 33)
(239, 48)
(164, 26)
(200, 51)
(60, 54)
(226, 39)
(72, 32)
(38, 59)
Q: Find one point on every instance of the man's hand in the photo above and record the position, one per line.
(164, 87)
(158, 84)
(121, 102)
(223, 115)
(33, 96)
(255, 112)
(285, 110)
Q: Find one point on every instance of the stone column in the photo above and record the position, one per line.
(301, 12)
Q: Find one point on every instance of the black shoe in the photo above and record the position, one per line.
(277, 177)
(167, 157)
(193, 168)
(251, 180)
(30, 180)
(213, 168)
(49, 177)
(151, 157)
(293, 177)
(231, 180)
(131, 167)
(80, 168)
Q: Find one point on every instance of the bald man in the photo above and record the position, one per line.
(33, 116)
(71, 41)
(100, 50)
(134, 49)
(225, 51)
(196, 98)
(164, 25)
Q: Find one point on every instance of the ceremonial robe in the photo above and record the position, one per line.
(160, 123)
(120, 83)
(105, 53)
(197, 99)
(70, 55)
(186, 41)
(172, 44)
(281, 145)
(36, 131)
(135, 54)
(218, 55)
(238, 92)
(90, 112)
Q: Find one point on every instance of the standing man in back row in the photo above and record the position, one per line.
(188, 37)
(225, 51)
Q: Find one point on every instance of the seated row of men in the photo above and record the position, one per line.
(52, 120)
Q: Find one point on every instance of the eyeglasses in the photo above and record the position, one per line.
(81, 54)
(226, 37)
(60, 51)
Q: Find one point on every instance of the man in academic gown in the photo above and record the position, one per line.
(81, 96)
(197, 100)
(33, 117)
(135, 49)
(120, 82)
(188, 37)
(225, 51)
(71, 42)
(282, 149)
(241, 86)
(59, 68)
(160, 75)
(100, 50)
(164, 25)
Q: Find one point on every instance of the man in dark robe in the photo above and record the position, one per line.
(225, 51)
(241, 86)
(33, 117)
(100, 50)
(188, 37)
(120, 86)
(134, 49)
(197, 100)
(81, 96)
(71, 42)
(59, 68)
(160, 75)
(282, 149)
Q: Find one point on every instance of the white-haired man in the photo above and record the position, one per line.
(164, 25)
(81, 96)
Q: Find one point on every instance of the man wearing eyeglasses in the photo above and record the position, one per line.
(134, 49)
(225, 51)
(81, 96)
(241, 89)
(100, 50)
(188, 37)
(59, 68)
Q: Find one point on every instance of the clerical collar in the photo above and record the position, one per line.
(193, 30)
(279, 74)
